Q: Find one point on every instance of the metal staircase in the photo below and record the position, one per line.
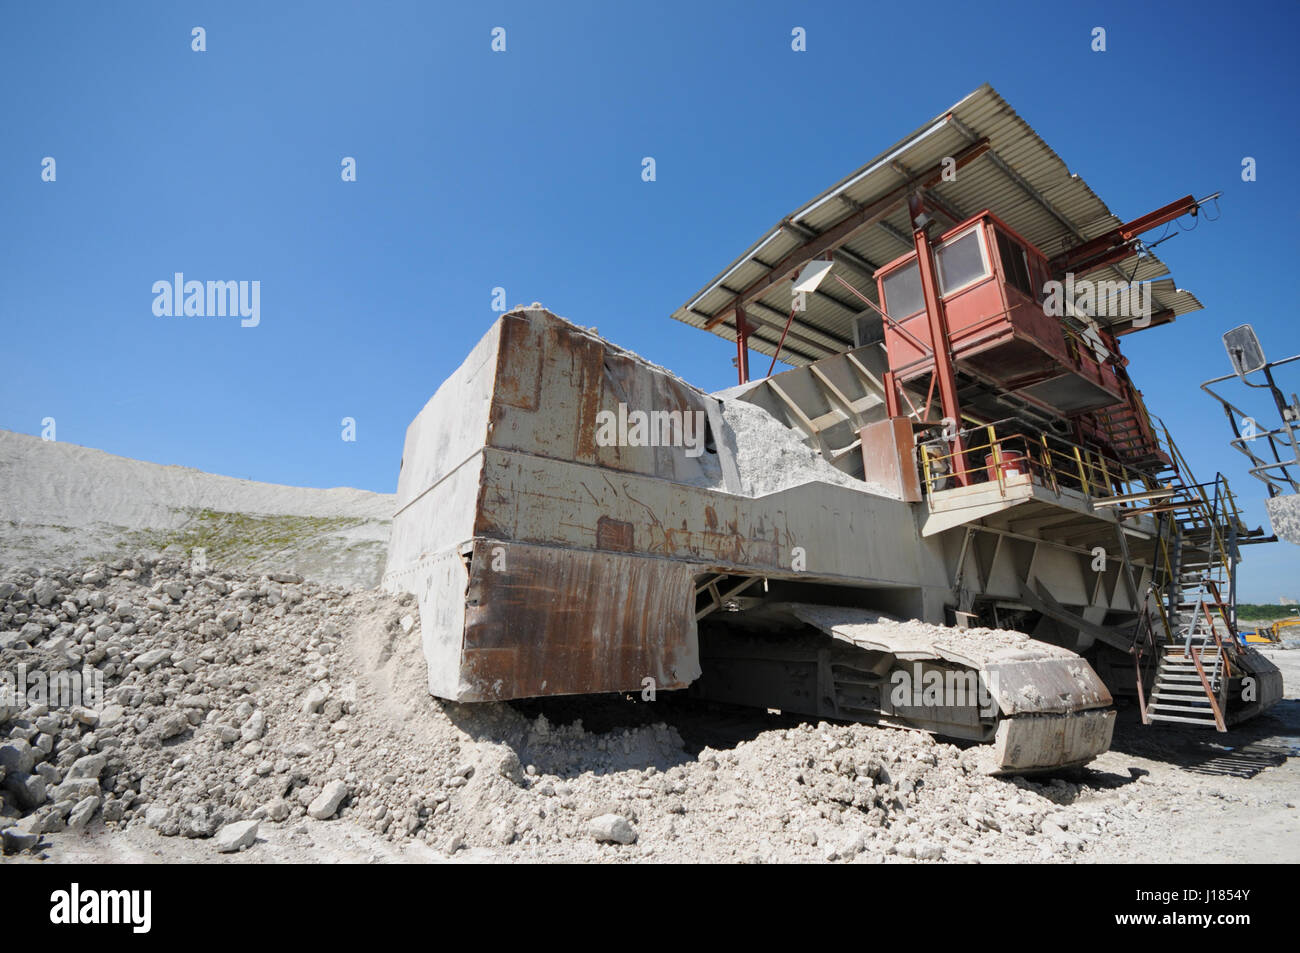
(1191, 634)
(1192, 674)
(1127, 429)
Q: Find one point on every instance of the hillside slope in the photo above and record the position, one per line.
(61, 503)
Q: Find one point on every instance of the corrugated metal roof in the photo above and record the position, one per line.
(1020, 179)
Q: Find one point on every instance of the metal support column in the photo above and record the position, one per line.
(742, 346)
(943, 370)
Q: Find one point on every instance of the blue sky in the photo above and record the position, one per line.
(522, 170)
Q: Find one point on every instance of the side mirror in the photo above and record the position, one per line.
(1244, 351)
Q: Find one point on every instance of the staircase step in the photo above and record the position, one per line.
(1190, 721)
(1162, 707)
(1183, 690)
(1181, 705)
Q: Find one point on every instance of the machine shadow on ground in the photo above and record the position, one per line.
(1243, 751)
(705, 724)
(701, 724)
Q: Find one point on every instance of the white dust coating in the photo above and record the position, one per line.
(61, 502)
(233, 698)
(769, 455)
(1284, 514)
(772, 457)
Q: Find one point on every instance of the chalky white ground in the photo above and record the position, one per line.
(234, 698)
(242, 694)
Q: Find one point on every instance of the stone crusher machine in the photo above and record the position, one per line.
(949, 456)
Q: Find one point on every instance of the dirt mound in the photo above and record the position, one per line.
(232, 697)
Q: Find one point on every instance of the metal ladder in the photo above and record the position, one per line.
(1194, 639)
(1192, 675)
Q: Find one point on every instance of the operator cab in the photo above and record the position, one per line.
(996, 295)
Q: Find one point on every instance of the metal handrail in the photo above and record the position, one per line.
(1284, 437)
(1207, 515)
(1053, 460)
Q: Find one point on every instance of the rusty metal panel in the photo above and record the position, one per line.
(555, 380)
(518, 370)
(614, 535)
(845, 535)
(887, 457)
(545, 501)
(546, 621)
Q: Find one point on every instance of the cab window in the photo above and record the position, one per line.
(902, 289)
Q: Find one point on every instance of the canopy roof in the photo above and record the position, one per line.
(862, 221)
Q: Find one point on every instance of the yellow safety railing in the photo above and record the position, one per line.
(993, 453)
(1005, 453)
(1197, 513)
(1202, 513)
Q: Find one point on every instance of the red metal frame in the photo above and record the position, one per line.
(996, 330)
(1115, 245)
(781, 343)
(742, 346)
(939, 338)
(1016, 330)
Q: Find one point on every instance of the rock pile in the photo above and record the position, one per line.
(236, 704)
(189, 683)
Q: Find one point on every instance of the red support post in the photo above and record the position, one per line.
(1114, 245)
(891, 396)
(742, 346)
(943, 370)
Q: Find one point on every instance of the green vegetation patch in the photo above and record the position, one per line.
(1254, 612)
(241, 535)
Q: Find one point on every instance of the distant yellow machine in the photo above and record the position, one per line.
(1271, 634)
